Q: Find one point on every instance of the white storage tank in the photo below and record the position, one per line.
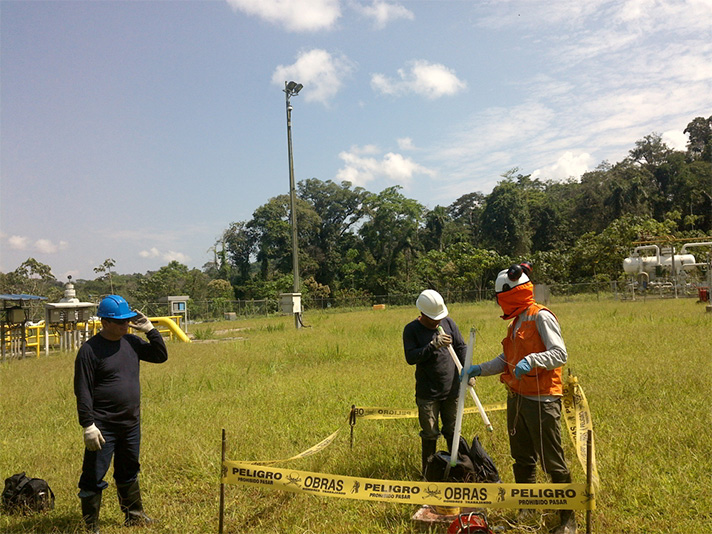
(635, 263)
(680, 260)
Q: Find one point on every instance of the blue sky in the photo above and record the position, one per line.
(139, 130)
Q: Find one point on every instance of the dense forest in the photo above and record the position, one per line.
(353, 242)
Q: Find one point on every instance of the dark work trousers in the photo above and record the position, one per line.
(123, 444)
(429, 411)
(535, 433)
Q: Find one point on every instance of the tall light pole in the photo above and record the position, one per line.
(292, 89)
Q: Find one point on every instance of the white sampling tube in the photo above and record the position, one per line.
(473, 393)
(460, 407)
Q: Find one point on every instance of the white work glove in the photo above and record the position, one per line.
(141, 323)
(441, 340)
(93, 438)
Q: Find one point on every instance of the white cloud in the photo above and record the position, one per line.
(613, 72)
(630, 16)
(430, 80)
(293, 15)
(406, 143)
(152, 253)
(675, 139)
(172, 255)
(360, 170)
(18, 242)
(401, 169)
(383, 12)
(46, 246)
(492, 132)
(321, 73)
(567, 166)
(653, 15)
(42, 245)
(168, 256)
(365, 150)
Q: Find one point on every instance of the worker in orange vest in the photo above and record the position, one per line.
(530, 367)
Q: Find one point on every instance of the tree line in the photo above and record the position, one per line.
(352, 242)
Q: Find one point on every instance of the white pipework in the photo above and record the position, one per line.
(688, 245)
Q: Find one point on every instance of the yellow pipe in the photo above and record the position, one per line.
(172, 326)
(166, 322)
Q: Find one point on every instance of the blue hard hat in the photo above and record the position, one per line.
(115, 307)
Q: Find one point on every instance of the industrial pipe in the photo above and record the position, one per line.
(172, 326)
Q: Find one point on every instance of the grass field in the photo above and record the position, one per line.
(645, 366)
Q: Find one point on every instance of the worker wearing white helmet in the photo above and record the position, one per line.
(436, 377)
(530, 367)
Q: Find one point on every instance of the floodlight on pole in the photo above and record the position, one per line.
(292, 89)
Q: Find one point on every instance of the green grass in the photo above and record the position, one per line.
(646, 368)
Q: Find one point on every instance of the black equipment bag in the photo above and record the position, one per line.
(485, 470)
(463, 471)
(473, 465)
(26, 495)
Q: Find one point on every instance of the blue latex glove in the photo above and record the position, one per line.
(521, 369)
(474, 370)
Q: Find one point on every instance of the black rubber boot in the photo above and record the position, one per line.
(429, 447)
(448, 440)
(526, 474)
(90, 512)
(568, 517)
(568, 523)
(131, 505)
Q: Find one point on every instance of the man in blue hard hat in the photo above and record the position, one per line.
(106, 384)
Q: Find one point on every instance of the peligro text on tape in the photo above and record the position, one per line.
(549, 496)
(578, 420)
(575, 410)
(363, 412)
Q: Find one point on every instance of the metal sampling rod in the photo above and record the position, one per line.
(460, 408)
(473, 393)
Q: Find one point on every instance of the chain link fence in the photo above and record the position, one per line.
(222, 309)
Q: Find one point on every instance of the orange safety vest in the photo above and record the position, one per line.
(538, 381)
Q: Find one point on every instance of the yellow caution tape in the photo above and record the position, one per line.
(391, 413)
(313, 450)
(550, 496)
(578, 420)
(367, 413)
(575, 410)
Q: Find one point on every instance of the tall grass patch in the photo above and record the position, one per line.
(646, 368)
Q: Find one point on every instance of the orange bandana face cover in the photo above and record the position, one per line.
(516, 300)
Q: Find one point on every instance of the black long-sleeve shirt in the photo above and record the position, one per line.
(436, 376)
(106, 377)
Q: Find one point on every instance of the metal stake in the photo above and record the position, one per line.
(222, 486)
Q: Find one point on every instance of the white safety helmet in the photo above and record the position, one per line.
(431, 303)
(510, 278)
